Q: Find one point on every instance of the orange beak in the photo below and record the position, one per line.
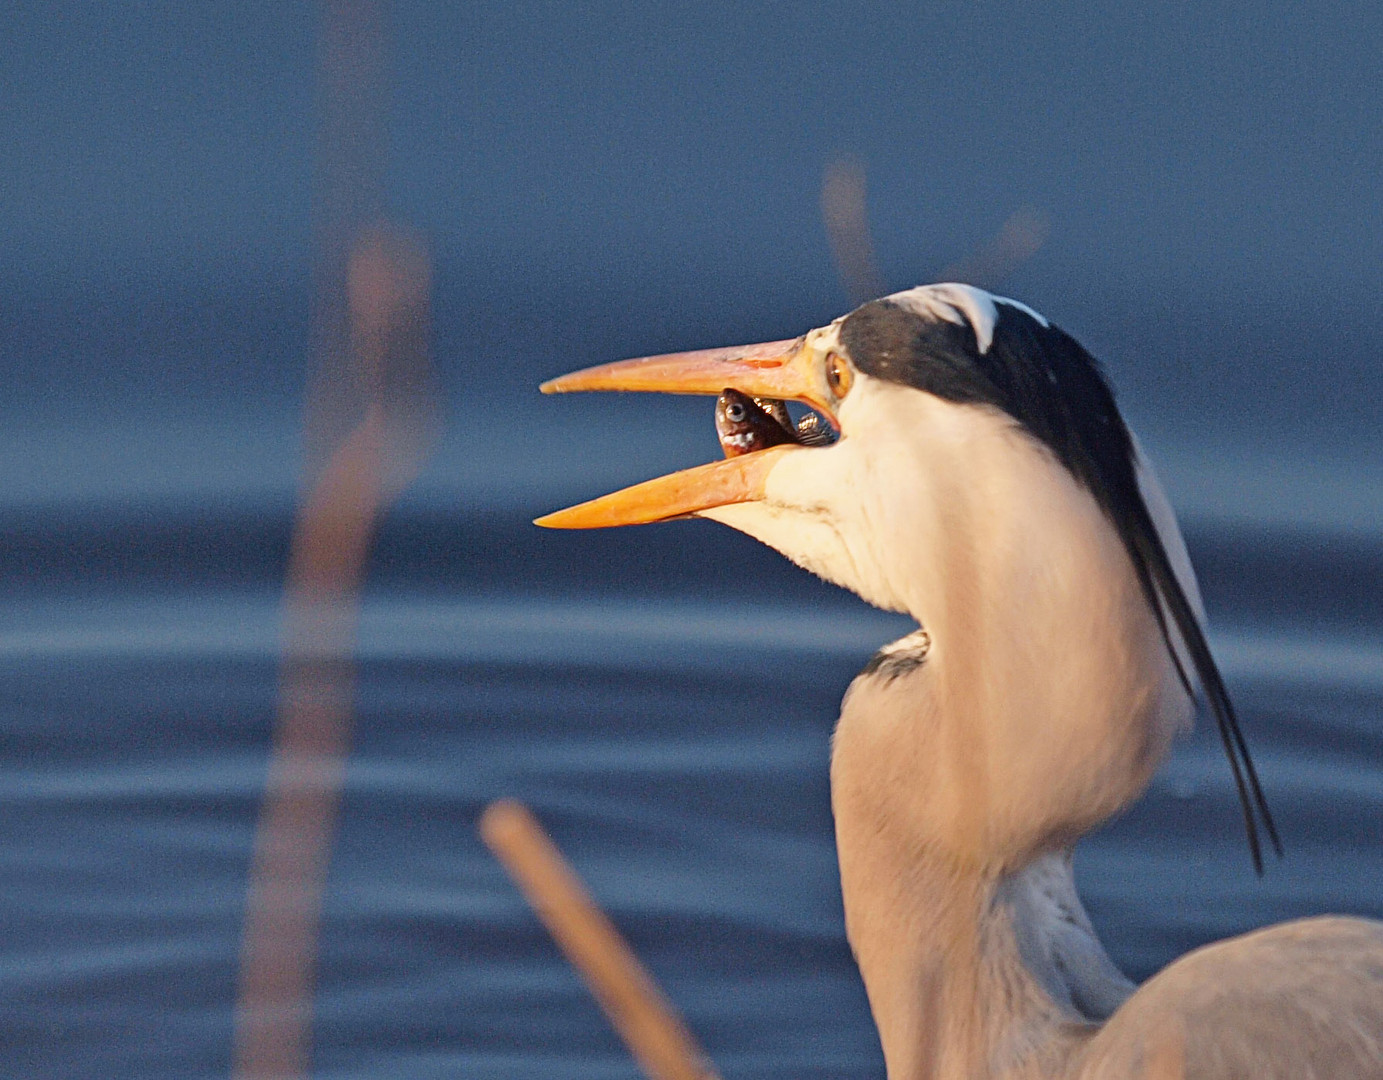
(787, 370)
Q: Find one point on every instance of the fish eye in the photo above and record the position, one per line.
(838, 375)
(734, 412)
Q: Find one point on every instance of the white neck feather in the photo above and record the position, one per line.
(959, 783)
(971, 975)
(952, 514)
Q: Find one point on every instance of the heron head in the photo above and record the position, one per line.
(917, 387)
(981, 471)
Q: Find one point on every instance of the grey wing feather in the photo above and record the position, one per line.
(1299, 1000)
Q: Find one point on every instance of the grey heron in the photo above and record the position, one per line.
(984, 483)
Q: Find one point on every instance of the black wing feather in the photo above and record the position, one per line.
(1150, 558)
(1082, 424)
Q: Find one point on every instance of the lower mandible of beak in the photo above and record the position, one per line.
(680, 494)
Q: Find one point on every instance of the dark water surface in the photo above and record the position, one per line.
(663, 698)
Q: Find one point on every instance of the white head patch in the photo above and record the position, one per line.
(960, 304)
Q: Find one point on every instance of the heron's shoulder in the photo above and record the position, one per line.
(1301, 998)
(1278, 959)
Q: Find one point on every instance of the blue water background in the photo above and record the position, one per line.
(595, 184)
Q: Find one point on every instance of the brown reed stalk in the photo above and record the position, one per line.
(637, 1009)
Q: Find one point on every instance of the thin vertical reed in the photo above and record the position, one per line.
(637, 1009)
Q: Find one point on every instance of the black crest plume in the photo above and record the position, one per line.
(1056, 391)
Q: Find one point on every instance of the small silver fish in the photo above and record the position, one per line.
(745, 424)
(814, 431)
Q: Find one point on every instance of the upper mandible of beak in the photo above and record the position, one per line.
(787, 370)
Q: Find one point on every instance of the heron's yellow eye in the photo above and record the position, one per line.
(838, 375)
